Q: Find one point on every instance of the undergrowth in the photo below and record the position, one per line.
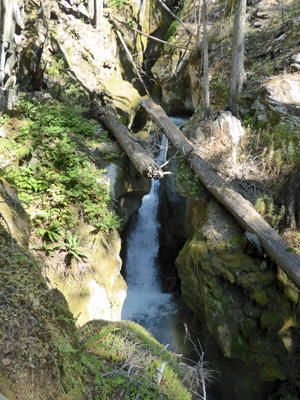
(277, 145)
(53, 177)
(266, 207)
(186, 179)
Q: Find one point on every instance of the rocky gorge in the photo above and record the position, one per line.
(68, 193)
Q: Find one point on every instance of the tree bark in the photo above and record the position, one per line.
(98, 14)
(141, 159)
(205, 61)
(6, 34)
(240, 208)
(237, 74)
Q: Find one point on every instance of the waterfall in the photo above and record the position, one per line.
(145, 303)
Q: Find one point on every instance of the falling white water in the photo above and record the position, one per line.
(145, 303)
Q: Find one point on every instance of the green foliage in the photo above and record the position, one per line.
(57, 66)
(72, 244)
(59, 176)
(123, 358)
(219, 89)
(47, 248)
(93, 341)
(3, 119)
(109, 155)
(266, 207)
(171, 31)
(278, 145)
(187, 179)
(52, 232)
(115, 4)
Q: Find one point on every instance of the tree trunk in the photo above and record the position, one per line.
(98, 14)
(11, 15)
(6, 34)
(142, 160)
(91, 8)
(237, 74)
(240, 208)
(205, 60)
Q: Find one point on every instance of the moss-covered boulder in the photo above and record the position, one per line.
(130, 361)
(241, 299)
(126, 99)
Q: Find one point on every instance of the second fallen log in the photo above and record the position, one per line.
(141, 159)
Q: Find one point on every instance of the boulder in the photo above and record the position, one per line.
(246, 306)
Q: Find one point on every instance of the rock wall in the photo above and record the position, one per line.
(248, 306)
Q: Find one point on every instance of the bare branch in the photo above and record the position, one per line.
(130, 57)
(149, 36)
(175, 17)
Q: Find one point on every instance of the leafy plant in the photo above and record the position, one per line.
(278, 146)
(187, 179)
(52, 232)
(62, 175)
(93, 341)
(171, 31)
(115, 3)
(47, 248)
(266, 207)
(72, 244)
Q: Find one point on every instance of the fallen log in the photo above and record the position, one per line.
(240, 208)
(141, 159)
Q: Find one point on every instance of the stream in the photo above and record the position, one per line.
(146, 303)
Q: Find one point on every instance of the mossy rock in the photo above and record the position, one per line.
(37, 321)
(259, 295)
(14, 214)
(115, 343)
(273, 371)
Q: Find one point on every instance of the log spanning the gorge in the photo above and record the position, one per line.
(239, 207)
(141, 159)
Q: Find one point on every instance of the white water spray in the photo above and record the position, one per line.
(145, 303)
